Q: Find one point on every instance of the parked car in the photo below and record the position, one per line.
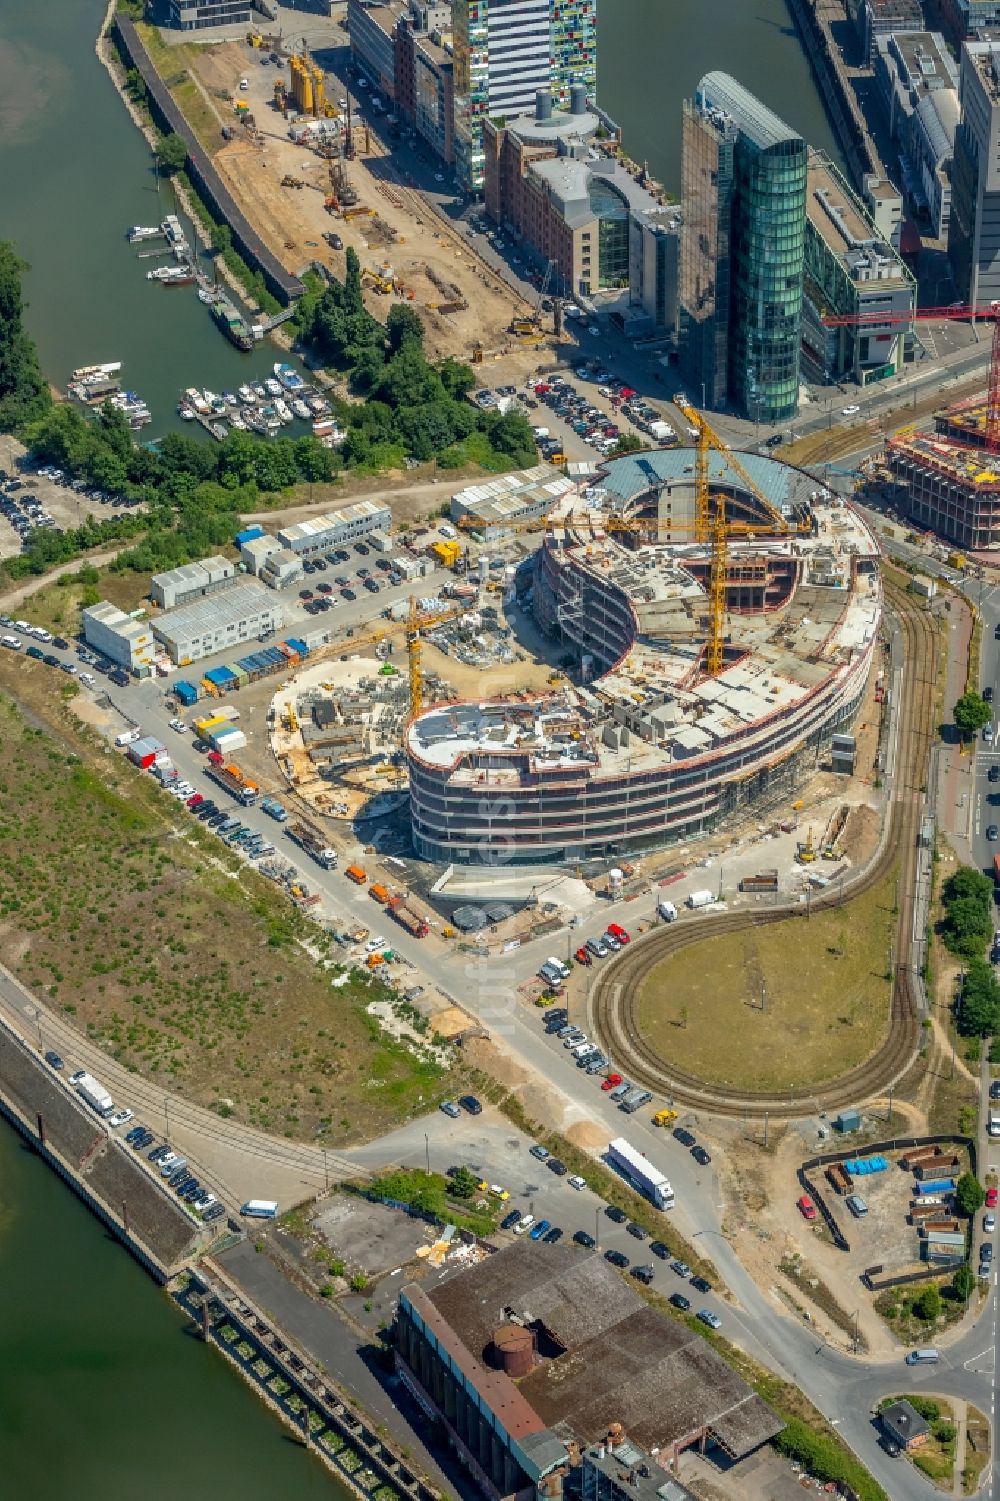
(700, 1155)
(708, 1317)
(643, 1274)
(540, 1152)
(555, 1166)
(616, 1215)
(991, 1193)
(510, 1220)
(581, 1238)
(469, 1103)
(702, 1284)
(684, 1137)
(680, 1267)
(806, 1207)
(450, 1108)
(636, 1231)
(617, 1258)
(537, 1231)
(53, 1060)
(679, 1301)
(612, 1081)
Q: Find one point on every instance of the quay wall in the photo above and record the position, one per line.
(165, 112)
(812, 20)
(94, 1164)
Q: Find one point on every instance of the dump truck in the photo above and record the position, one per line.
(229, 777)
(357, 874)
(763, 880)
(274, 810)
(839, 1178)
(378, 892)
(314, 844)
(664, 1117)
(407, 918)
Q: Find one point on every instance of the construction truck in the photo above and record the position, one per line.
(232, 780)
(310, 840)
(805, 854)
(664, 1117)
(407, 918)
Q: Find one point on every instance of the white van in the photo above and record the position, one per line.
(127, 737)
(922, 1357)
(446, 529)
(559, 967)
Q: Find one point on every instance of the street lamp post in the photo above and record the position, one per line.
(597, 1229)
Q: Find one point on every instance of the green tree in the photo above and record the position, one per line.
(135, 86)
(927, 1303)
(971, 714)
(404, 326)
(221, 238)
(970, 1196)
(964, 928)
(627, 443)
(964, 1282)
(353, 301)
(463, 1184)
(23, 392)
(977, 1005)
(171, 153)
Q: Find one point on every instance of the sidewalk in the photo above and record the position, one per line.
(955, 787)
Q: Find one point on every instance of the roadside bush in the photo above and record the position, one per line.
(823, 1457)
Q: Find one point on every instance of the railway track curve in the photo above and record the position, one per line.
(613, 1002)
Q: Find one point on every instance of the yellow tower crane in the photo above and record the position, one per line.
(414, 625)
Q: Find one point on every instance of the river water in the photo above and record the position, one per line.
(101, 1390)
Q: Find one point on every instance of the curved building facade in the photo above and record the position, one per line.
(648, 748)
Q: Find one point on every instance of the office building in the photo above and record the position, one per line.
(974, 226)
(199, 15)
(884, 203)
(574, 207)
(118, 637)
(191, 580)
(505, 51)
(918, 80)
(527, 1357)
(319, 533)
(850, 270)
(965, 20)
(218, 622)
(425, 76)
(371, 25)
(876, 18)
(743, 196)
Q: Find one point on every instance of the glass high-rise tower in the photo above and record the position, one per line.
(742, 252)
(504, 52)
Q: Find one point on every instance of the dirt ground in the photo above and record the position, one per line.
(433, 262)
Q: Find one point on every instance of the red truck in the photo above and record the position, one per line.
(406, 917)
(996, 870)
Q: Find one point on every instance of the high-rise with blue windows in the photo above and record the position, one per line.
(743, 176)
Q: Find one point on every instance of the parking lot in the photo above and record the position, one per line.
(43, 498)
(501, 1156)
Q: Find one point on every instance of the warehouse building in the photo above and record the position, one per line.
(495, 505)
(191, 581)
(118, 637)
(205, 626)
(255, 551)
(352, 524)
(536, 1352)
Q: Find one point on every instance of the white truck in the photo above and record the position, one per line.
(994, 1123)
(640, 1172)
(700, 899)
(667, 911)
(95, 1094)
(660, 430)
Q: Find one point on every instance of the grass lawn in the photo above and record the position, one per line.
(182, 963)
(57, 605)
(936, 1458)
(977, 1449)
(827, 997)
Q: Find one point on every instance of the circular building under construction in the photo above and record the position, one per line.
(723, 611)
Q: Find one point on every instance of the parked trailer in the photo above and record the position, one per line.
(309, 839)
(941, 1186)
(946, 1165)
(839, 1178)
(701, 899)
(406, 917)
(94, 1094)
(939, 1227)
(641, 1173)
(260, 1209)
(918, 1154)
(229, 777)
(764, 880)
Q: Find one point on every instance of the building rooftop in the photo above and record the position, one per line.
(195, 575)
(317, 525)
(718, 92)
(839, 218)
(107, 614)
(904, 1422)
(635, 1474)
(972, 467)
(507, 497)
(923, 62)
(215, 612)
(601, 1352)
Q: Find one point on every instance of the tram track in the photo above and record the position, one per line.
(613, 1003)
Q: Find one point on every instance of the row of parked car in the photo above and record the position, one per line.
(22, 509)
(174, 1169)
(589, 422)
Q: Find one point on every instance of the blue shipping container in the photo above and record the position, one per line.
(187, 693)
(221, 676)
(248, 534)
(939, 1186)
(298, 645)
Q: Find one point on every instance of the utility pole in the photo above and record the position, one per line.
(766, 1118)
(763, 995)
(597, 1229)
(427, 1153)
(857, 1335)
(891, 1087)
